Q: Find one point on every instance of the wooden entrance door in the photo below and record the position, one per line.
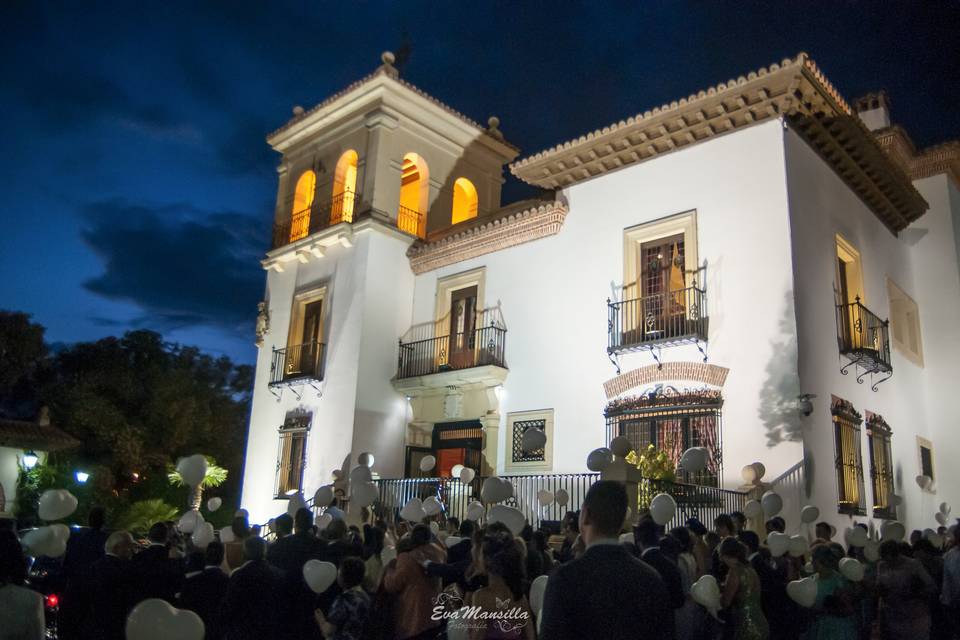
(463, 321)
(662, 285)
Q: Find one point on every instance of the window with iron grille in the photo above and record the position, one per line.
(846, 425)
(881, 466)
(519, 428)
(292, 455)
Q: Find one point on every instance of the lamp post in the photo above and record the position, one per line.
(30, 460)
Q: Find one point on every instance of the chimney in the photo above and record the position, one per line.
(874, 110)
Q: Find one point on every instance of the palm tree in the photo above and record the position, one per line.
(214, 477)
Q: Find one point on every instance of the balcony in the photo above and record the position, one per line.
(297, 364)
(864, 339)
(658, 320)
(314, 218)
(422, 355)
(411, 221)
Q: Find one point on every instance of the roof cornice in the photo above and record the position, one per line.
(795, 89)
(941, 158)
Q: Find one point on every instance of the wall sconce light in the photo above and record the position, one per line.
(30, 460)
(805, 404)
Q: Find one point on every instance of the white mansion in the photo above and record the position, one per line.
(760, 268)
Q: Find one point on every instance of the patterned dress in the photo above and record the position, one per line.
(747, 614)
(350, 613)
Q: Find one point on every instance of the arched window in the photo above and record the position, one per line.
(414, 195)
(302, 201)
(464, 201)
(344, 188)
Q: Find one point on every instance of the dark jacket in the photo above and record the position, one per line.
(251, 607)
(109, 598)
(669, 573)
(203, 593)
(156, 574)
(606, 594)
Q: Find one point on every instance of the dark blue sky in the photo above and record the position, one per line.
(136, 189)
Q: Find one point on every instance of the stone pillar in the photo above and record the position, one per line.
(377, 189)
(491, 439)
(621, 471)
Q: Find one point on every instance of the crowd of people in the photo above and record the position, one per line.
(471, 581)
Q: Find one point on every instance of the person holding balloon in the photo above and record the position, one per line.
(834, 612)
(741, 593)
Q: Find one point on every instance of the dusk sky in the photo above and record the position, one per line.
(137, 189)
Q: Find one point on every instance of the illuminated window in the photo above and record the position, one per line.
(881, 466)
(464, 200)
(846, 425)
(905, 323)
(292, 454)
(849, 272)
(414, 195)
(302, 201)
(344, 188)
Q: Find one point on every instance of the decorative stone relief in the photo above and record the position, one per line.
(263, 323)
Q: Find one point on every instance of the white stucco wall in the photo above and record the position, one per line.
(821, 206)
(9, 470)
(554, 292)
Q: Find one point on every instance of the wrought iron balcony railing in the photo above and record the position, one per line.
(316, 217)
(668, 318)
(410, 221)
(297, 362)
(864, 339)
(483, 346)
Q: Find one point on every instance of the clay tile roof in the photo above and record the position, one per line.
(21, 434)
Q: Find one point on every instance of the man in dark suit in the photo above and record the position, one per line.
(646, 535)
(251, 608)
(107, 586)
(84, 547)
(606, 593)
(288, 555)
(203, 591)
(156, 574)
(777, 607)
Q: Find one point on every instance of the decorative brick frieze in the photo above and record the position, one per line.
(710, 374)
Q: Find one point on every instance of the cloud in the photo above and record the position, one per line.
(181, 265)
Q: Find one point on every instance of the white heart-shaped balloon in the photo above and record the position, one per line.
(155, 619)
(871, 550)
(544, 497)
(941, 518)
(510, 516)
(49, 541)
(924, 482)
(809, 514)
(934, 538)
(213, 504)
(324, 496)
(752, 509)
(453, 540)
(432, 506)
(192, 469)
(778, 543)
(798, 546)
(319, 575)
(467, 475)
(895, 500)
(475, 511)
(323, 521)
(56, 504)
(203, 535)
(388, 554)
(496, 489)
(749, 474)
(533, 440)
(361, 474)
(856, 536)
(455, 470)
(537, 588)
(706, 593)
(891, 530)
(227, 535)
(190, 521)
(772, 503)
(413, 511)
(662, 508)
(364, 494)
(561, 496)
(599, 459)
(427, 463)
(627, 538)
(803, 592)
(852, 569)
(945, 508)
(295, 503)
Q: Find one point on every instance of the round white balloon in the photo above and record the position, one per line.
(759, 470)
(752, 509)
(852, 569)
(295, 503)
(427, 463)
(662, 508)
(467, 475)
(324, 496)
(366, 459)
(772, 503)
(945, 508)
(694, 459)
(56, 504)
(413, 510)
(475, 511)
(561, 496)
(190, 521)
(510, 516)
(364, 494)
(533, 439)
(192, 469)
(432, 506)
(621, 446)
(544, 497)
(809, 514)
(803, 592)
(599, 459)
(213, 504)
(203, 535)
(360, 474)
(155, 619)
(455, 470)
(319, 575)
